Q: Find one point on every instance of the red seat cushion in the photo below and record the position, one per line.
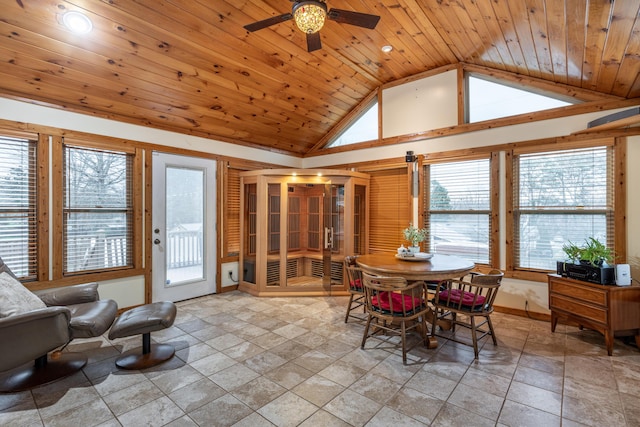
(397, 301)
(467, 297)
(356, 284)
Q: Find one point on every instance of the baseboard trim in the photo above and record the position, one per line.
(523, 313)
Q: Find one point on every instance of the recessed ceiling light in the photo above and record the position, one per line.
(77, 22)
(387, 48)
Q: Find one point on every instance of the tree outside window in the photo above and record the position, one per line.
(459, 215)
(560, 197)
(98, 210)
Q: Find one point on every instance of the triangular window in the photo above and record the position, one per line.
(364, 128)
(488, 100)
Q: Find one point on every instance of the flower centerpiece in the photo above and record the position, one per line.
(415, 236)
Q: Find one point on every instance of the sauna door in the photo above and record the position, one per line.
(315, 220)
(329, 233)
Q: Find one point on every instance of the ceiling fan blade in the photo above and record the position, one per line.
(268, 22)
(354, 18)
(314, 42)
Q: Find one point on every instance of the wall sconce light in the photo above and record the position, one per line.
(410, 157)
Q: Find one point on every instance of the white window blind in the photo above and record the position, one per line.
(459, 214)
(560, 197)
(98, 210)
(18, 216)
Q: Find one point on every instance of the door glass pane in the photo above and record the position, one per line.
(337, 218)
(336, 248)
(185, 230)
(250, 233)
(359, 219)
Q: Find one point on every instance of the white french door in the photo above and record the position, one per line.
(184, 227)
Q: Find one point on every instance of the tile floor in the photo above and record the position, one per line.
(247, 361)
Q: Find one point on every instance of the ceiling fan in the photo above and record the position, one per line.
(310, 16)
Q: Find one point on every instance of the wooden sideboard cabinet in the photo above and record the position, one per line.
(609, 309)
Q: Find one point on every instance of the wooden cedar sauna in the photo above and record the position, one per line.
(297, 227)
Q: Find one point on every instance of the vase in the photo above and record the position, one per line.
(414, 249)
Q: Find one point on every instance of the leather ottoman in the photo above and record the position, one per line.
(142, 321)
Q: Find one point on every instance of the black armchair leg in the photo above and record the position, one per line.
(43, 371)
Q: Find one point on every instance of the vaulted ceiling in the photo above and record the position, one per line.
(189, 65)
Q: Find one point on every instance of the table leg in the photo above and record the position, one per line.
(444, 324)
(608, 339)
(554, 321)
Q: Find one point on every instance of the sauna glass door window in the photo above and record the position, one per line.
(250, 242)
(359, 219)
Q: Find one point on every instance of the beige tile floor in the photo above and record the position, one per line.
(247, 361)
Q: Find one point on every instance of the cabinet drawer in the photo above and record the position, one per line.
(579, 292)
(577, 309)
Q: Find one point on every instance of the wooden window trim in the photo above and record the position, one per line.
(619, 174)
(59, 278)
(494, 222)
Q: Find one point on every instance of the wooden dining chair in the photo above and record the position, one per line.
(356, 290)
(395, 307)
(459, 302)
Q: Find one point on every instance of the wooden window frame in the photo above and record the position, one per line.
(59, 276)
(619, 189)
(37, 147)
(494, 203)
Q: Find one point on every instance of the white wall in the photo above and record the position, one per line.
(419, 105)
(127, 292)
(503, 135)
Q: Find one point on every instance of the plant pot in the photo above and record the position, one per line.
(414, 249)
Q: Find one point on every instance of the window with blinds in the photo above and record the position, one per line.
(18, 192)
(390, 212)
(560, 197)
(97, 210)
(231, 230)
(459, 209)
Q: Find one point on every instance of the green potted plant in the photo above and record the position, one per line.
(415, 236)
(593, 252)
(591, 262)
(572, 251)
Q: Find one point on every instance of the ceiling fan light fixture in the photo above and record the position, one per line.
(310, 16)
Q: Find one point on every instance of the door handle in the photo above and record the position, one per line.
(157, 241)
(328, 237)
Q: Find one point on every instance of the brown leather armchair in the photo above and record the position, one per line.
(70, 312)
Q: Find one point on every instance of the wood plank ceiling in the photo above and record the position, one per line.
(189, 65)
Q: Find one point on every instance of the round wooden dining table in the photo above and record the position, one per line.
(438, 267)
